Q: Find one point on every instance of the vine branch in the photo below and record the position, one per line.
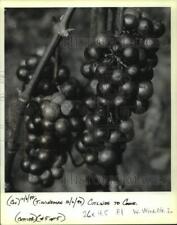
(60, 31)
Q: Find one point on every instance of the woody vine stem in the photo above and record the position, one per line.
(105, 21)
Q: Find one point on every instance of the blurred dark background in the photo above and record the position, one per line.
(146, 163)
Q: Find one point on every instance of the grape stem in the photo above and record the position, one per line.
(61, 31)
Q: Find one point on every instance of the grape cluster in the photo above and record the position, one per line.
(97, 119)
(52, 120)
(119, 70)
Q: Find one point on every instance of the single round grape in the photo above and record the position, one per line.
(119, 101)
(81, 147)
(133, 71)
(158, 29)
(47, 125)
(91, 158)
(57, 173)
(100, 134)
(91, 102)
(87, 70)
(102, 70)
(76, 124)
(104, 88)
(32, 128)
(106, 157)
(115, 137)
(99, 117)
(33, 179)
(130, 21)
(145, 90)
(32, 62)
(69, 88)
(102, 40)
(25, 165)
(93, 53)
(68, 108)
(130, 54)
(126, 126)
(145, 26)
(128, 88)
(117, 76)
(46, 140)
(45, 175)
(62, 126)
(151, 44)
(46, 178)
(36, 168)
(88, 139)
(32, 139)
(44, 155)
(23, 74)
(62, 75)
(126, 41)
(140, 106)
(50, 111)
(104, 102)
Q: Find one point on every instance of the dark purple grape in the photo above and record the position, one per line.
(158, 29)
(104, 88)
(81, 147)
(87, 70)
(36, 168)
(140, 106)
(91, 158)
(102, 71)
(145, 26)
(57, 173)
(44, 155)
(76, 124)
(130, 55)
(128, 88)
(62, 127)
(103, 40)
(100, 134)
(88, 139)
(145, 90)
(25, 165)
(130, 21)
(91, 102)
(126, 41)
(151, 44)
(126, 126)
(152, 61)
(133, 71)
(119, 101)
(117, 76)
(32, 62)
(93, 53)
(46, 140)
(23, 74)
(106, 157)
(62, 75)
